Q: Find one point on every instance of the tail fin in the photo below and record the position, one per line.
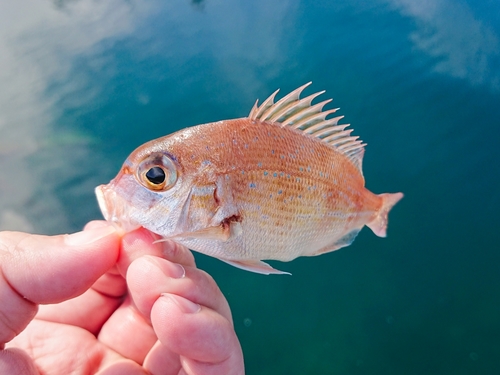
(379, 224)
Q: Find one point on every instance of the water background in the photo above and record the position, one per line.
(84, 82)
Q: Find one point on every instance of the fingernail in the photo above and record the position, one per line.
(169, 269)
(179, 271)
(185, 305)
(89, 236)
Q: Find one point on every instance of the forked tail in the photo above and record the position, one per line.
(379, 223)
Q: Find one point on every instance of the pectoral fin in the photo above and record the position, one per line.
(228, 229)
(255, 266)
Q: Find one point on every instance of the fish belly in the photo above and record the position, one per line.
(279, 226)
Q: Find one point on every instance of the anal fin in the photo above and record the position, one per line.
(343, 241)
(257, 266)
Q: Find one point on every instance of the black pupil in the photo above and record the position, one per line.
(156, 175)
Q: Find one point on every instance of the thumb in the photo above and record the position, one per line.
(49, 269)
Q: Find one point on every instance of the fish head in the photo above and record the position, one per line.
(169, 186)
(149, 191)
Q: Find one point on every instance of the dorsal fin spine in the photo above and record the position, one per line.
(330, 131)
(342, 143)
(265, 104)
(292, 97)
(330, 125)
(310, 118)
(340, 134)
(320, 125)
(357, 145)
(306, 113)
(254, 110)
(297, 108)
(315, 121)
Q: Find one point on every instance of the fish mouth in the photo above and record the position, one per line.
(113, 209)
(102, 193)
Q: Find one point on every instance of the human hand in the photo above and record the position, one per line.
(171, 319)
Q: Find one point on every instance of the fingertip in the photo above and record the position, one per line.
(144, 242)
(90, 236)
(96, 224)
(141, 237)
(177, 253)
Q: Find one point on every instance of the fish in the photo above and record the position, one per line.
(284, 182)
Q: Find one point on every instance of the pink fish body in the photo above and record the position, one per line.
(282, 183)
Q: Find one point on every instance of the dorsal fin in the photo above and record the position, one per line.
(301, 114)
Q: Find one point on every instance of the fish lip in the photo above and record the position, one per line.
(100, 192)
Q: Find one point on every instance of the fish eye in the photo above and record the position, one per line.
(157, 172)
(156, 175)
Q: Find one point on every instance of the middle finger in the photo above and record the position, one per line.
(148, 277)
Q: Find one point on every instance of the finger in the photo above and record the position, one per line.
(123, 367)
(91, 309)
(48, 269)
(128, 333)
(88, 311)
(62, 349)
(148, 277)
(16, 362)
(204, 339)
(142, 242)
(111, 284)
(161, 360)
(41, 269)
(15, 312)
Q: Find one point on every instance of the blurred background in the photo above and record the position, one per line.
(84, 82)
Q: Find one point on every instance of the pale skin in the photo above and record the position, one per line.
(101, 302)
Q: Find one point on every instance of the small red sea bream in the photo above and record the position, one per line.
(284, 182)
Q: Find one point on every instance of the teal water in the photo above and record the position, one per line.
(82, 83)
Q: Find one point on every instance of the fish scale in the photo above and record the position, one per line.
(284, 182)
(305, 214)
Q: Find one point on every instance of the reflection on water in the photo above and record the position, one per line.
(82, 83)
(38, 52)
(462, 45)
